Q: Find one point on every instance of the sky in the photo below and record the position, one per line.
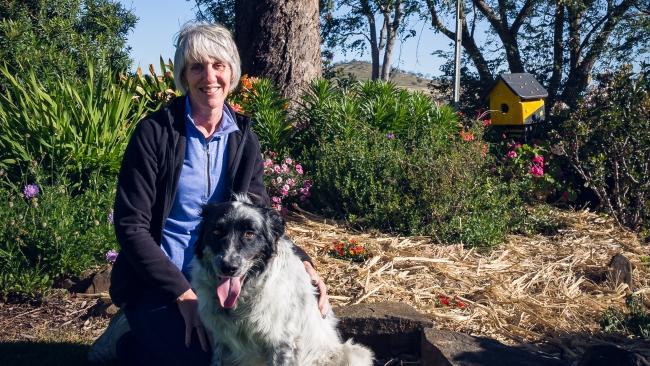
(159, 21)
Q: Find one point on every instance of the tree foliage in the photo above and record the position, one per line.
(561, 42)
(59, 37)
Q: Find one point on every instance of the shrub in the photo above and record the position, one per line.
(67, 127)
(285, 181)
(390, 159)
(607, 144)
(635, 321)
(51, 233)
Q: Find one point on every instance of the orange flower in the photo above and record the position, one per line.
(467, 136)
(246, 82)
(237, 108)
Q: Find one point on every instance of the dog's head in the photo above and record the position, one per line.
(237, 240)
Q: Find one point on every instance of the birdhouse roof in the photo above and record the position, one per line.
(524, 85)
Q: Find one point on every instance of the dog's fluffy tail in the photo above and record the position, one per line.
(351, 354)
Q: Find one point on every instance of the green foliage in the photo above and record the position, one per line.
(155, 89)
(386, 158)
(260, 99)
(69, 127)
(54, 38)
(55, 234)
(635, 321)
(607, 144)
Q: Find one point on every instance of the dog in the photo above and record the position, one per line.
(255, 298)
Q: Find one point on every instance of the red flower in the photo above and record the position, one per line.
(487, 122)
(466, 136)
(444, 300)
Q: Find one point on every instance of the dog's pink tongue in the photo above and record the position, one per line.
(228, 291)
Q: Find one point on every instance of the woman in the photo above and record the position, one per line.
(194, 151)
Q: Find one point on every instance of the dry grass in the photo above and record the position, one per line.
(531, 289)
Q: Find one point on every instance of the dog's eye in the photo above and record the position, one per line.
(249, 234)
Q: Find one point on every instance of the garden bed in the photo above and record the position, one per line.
(532, 289)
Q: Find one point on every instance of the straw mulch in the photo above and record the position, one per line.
(530, 289)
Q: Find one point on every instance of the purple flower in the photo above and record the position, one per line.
(111, 256)
(299, 169)
(390, 136)
(511, 154)
(31, 190)
(110, 217)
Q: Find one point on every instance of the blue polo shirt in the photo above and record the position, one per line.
(203, 179)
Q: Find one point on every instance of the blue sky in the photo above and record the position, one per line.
(160, 20)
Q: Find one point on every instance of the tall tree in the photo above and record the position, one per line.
(277, 39)
(358, 26)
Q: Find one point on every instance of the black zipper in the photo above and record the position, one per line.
(207, 152)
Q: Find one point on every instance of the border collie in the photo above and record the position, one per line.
(256, 299)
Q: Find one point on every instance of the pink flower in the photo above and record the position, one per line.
(277, 207)
(284, 192)
(286, 187)
(299, 169)
(277, 169)
(291, 182)
(538, 160)
(536, 171)
(511, 154)
(288, 161)
(268, 163)
(285, 168)
(276, 199)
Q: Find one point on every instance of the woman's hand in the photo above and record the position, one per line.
(323, 300)
(189, 308)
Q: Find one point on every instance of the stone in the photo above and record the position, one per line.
(448, 348)
(621, 270)
(96, 282)
(104, 307)
(609, 355)
(388, 328)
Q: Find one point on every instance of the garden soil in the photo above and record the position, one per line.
(544, 290)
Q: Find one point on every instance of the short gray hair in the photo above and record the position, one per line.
(197, 41)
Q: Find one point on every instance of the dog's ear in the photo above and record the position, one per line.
(276, 223)
(256, 199)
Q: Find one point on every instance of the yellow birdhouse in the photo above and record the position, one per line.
(517, 100)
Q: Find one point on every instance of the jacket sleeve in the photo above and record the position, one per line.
(134, 202)
(256, 186)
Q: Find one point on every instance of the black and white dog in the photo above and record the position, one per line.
(255, 297)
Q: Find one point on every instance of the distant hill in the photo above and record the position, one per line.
(362, 71)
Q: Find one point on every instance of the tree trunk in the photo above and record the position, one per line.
(558, 56)
(280, 40)
(374, 42)
(391, 35)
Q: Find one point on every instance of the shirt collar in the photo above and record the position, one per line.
(227, 124)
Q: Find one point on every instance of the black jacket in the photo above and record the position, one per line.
(145, 193)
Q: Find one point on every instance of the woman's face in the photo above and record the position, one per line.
(208, 83)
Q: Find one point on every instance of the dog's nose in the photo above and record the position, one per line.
(228, 269)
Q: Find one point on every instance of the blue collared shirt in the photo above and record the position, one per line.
(203, 179)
